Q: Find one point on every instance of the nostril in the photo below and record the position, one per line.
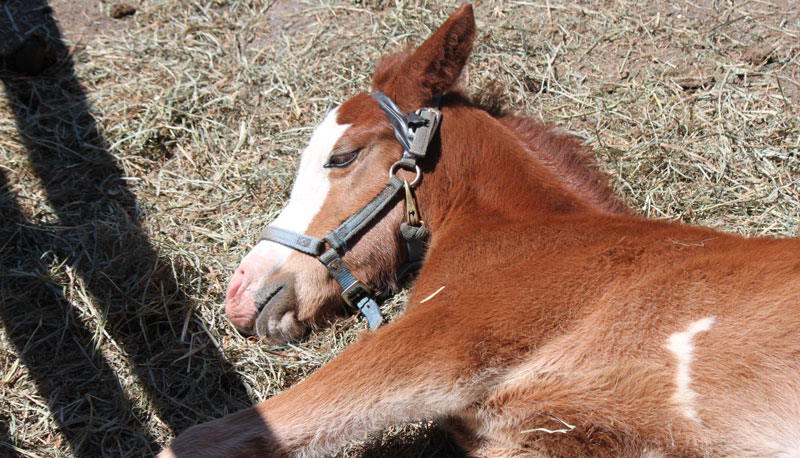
(266, 294)
(276, 304)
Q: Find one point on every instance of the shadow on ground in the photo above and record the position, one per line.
(93, 244)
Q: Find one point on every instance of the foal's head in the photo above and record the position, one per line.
(278, 292)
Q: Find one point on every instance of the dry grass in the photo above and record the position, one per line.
(138, 170)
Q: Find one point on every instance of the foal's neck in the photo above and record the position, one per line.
(487, 172)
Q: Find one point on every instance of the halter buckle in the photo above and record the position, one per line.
(353, 294)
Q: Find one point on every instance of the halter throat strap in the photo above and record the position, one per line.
(414, 132)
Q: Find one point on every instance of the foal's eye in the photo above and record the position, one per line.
(343, 159)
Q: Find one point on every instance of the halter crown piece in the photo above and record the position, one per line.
(414, 132)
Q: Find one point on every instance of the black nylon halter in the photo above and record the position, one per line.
(414, 132)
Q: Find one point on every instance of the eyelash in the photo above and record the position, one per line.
(342, 160)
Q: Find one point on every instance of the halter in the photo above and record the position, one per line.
(414, 132)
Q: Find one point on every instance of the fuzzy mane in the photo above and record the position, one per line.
(567, 159)
(562, 154)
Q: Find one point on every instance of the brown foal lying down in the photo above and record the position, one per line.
(547, 320)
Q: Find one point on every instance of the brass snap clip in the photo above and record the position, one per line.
(412, 214)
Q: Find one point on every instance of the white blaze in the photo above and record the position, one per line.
(681, 345)
(308, 193)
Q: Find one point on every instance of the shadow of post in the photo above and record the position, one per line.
(98, 237)
(56, 349)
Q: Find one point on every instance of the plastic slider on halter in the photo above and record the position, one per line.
(414, 133)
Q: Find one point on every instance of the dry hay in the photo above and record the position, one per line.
(132, 188)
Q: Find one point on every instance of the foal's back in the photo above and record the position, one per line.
(630, 335)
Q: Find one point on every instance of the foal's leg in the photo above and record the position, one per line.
(416, 368)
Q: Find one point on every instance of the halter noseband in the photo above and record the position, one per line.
(414, 132)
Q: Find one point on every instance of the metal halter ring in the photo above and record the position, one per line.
(399, 164)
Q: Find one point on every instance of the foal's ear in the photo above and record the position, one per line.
(434, 67)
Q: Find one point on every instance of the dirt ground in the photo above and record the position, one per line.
(141, 155)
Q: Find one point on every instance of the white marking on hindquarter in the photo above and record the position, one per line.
(310, 187)
(681, 345)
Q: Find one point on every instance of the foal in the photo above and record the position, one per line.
(546, 320)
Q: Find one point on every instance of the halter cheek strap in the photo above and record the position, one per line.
(414, 133)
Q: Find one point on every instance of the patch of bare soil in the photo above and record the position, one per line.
(78, 20)
(28, 36)
(81, 20)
